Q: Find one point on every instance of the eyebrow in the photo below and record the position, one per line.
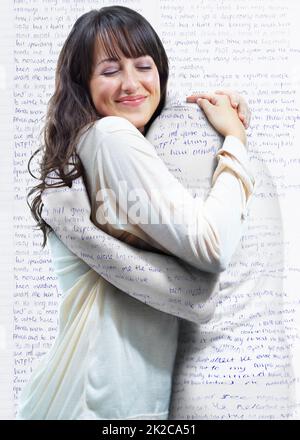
(107, 60)
(115, 60)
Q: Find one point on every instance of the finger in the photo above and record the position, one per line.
(243, 119)
(245, 122)
(192, 98)
(244, 109)
(209, 96)
(239, 103)
(233, 97)
(205, 104)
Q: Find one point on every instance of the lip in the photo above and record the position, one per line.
(132, 100)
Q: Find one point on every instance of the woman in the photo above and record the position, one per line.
(113, 356)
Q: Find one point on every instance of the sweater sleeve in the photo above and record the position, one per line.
(161, 281)
(137, 185)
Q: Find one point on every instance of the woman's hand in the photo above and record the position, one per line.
(222, 116)
(236, 100)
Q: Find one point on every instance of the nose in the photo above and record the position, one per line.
(130, 80)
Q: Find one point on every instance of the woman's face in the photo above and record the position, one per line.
(128, 87)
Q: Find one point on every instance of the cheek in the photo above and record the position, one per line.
(152, 82)
(155, 91)
(101, 91)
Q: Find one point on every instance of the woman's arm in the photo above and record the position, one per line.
(133, 178)
(160, 281)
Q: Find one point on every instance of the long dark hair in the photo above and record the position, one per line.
(119, 30)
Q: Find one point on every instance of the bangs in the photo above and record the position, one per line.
(131, 41)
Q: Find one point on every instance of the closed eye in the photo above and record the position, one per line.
(112, 72)
(109, 73)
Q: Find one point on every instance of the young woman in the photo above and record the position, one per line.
(113, 356)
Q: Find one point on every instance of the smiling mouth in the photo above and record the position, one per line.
(133, 102)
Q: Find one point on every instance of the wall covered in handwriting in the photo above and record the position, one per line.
(241, 364)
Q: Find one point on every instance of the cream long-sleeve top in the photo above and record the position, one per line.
(113, 357)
